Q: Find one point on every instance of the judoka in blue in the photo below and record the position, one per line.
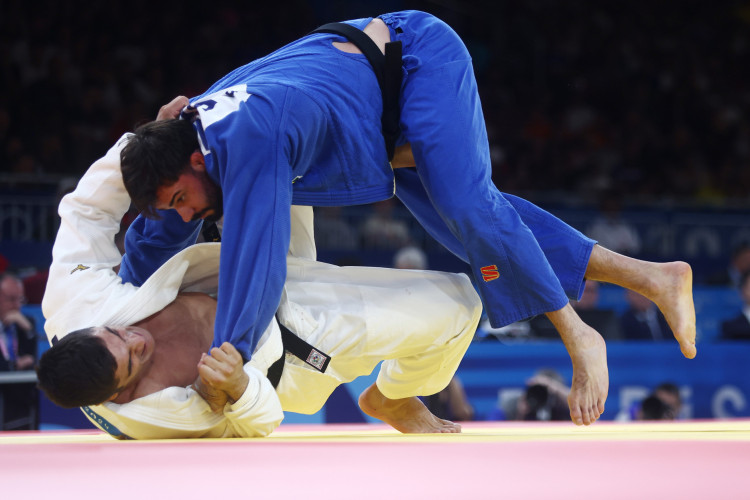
(302, 126)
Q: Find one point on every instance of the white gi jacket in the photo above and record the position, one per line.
(83, 291)
(418, 323)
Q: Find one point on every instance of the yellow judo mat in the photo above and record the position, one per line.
(508, 460)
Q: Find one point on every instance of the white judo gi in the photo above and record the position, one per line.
(419, 322)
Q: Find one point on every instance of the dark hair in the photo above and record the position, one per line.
(669, 387)
(653, 408)
(78, 370)
(155, 156)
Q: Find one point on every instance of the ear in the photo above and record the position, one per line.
(198, 162)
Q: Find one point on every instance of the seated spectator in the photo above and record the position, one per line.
(643, 320)
(738, 328)
(610, 229)
(604, 321)
(17, 352)
(739, 264)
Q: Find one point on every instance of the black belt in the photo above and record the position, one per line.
(388, 72)
(299, 348)
(291, 343)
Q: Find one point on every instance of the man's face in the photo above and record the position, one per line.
(132, 348)
(194, 195)
(11, 296)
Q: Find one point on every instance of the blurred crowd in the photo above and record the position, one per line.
(579, 96)
(584, 100)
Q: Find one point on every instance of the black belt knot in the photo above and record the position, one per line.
(299, 348)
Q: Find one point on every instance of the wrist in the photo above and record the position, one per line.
(238, 388)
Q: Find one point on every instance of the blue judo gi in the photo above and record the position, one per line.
(302, 126)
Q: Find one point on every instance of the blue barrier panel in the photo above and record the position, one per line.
(713, 385)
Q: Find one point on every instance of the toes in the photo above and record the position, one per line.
(576, 416)
(688, 349)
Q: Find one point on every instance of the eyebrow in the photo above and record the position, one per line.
(171, 202)
(130, 356)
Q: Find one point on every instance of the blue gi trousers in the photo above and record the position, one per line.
(519, 272)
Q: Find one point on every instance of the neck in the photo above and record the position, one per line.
(182, 331)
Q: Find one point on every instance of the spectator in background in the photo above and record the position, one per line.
(610, 229)
(410, 258)
(17, 352)
(663, 403)
(739, 264)
(545, 398)
(653, 408)
(382, 230)
(738, 328)
(643, 320)
(604, 321)
(669, 394)
(18, 335)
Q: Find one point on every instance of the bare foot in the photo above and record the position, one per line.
(672, 292)
(669, 285)
(588, 353)
(408, 415)
(590, 385)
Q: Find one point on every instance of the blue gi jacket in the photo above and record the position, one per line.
(302, 125)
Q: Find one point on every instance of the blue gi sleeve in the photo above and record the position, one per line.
(149, 243)
(243, 154)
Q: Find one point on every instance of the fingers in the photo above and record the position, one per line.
(222, 366)
(213, 369)
(18, 318)
(226, 353)
(173, 108)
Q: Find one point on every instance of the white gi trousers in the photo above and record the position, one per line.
(419, 322)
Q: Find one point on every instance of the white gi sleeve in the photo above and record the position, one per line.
(82, 283)
(83, 290)
(244, 418)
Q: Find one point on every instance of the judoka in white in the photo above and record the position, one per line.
(419, 322)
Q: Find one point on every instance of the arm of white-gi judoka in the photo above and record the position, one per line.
(180, 413)
(81, 277)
